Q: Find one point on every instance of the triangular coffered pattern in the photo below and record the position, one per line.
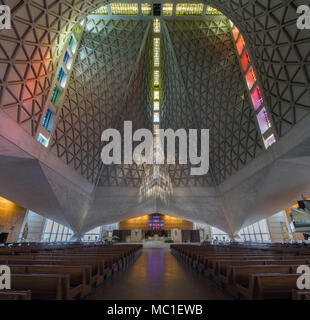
(102, 92)
(136, 108)
(214, 94)
(30, 51)
(200, 68)
(280, 53)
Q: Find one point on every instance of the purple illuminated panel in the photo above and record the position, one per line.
(156, 222)
(257, 98)
(263, 120)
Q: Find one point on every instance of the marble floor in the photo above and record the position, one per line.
(158, 275)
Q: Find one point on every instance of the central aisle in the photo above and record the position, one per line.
(158, 275)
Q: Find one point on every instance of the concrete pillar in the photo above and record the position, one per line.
(136, 235)
(279, 228)
(33, 227)
(176, 235)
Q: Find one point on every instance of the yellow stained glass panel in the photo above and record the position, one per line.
(184, 9)
(156, 25)
(156, 52)
(146, 9)
(211, 10)
(102, 10)
(167, 9)
(156, 78)
(130, 9)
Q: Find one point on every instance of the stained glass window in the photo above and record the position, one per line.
(156, 78)
(156, 52)
(62, 77)
(49, 119)
(211, 10)
(156, 222)
(245, 60)
(56, 96)
(125, 9)
(77, 31)
(167, 9)
(263, 120)
(257, 98)
(146, 9)
(184, 9)
(235, 32)
(240, 44)
(102, 10)
(250, 78)
(156, 129)
(72, 44)
(43, 140)
(156, 117)
(269, 141)
(156, 95)
(68, 59)
(156, 25)
(156, 106)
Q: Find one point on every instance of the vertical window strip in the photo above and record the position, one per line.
(258, 103)
(249, 233)
(55, 232)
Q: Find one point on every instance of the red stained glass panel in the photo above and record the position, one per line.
(240, 44)
(257, 98)
(250, 78)
(245, 60)
(235, 32)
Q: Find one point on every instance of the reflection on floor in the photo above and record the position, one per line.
(158, 275)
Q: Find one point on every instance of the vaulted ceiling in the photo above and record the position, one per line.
(202, 87)
(110, 84)
(201, 61)
(111, 80)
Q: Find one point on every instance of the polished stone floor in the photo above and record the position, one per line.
(158, 275)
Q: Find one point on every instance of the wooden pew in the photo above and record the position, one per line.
(104, 264)
(15, 295)
(235, 267)
(107, 262)
(223, 266)
(239, 275)
(64, 271)
(97, 273)
(80, 276)
(44, 286)
(268, 286)
(300, 295)
(217, 266)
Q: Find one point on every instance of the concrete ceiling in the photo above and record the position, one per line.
(245, 183)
